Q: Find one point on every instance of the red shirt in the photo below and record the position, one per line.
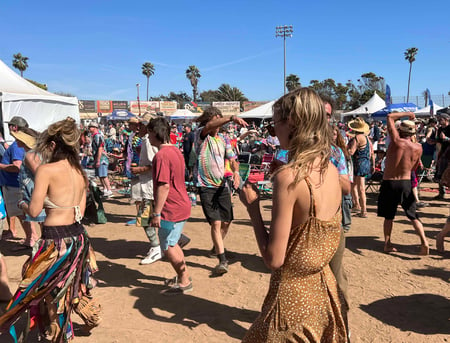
(168, 167)
(173, 138)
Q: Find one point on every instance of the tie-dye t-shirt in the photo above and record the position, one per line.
(212, 152)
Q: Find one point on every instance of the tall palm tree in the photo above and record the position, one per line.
(292, 82)
(193, 74)
(410, 56)
(148, 70)
(20, 62)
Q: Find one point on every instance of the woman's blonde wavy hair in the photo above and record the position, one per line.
(66, 136)
(309, 136)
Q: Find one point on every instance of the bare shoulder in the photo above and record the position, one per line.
(284, 178)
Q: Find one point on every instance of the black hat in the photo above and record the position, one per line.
(18, 121)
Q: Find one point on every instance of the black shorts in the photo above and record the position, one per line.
(392, 193)
(216, 204)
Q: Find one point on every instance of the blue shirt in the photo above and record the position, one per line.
(13, 153)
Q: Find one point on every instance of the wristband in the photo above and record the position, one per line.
(20, 204)
(156, 215)
(232, 118)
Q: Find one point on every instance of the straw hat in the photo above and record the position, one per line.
(358, 125)
(25, 138)
(407, 126)
(145, 119)
(133, 120)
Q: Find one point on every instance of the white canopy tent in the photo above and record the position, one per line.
(40, 108)
(183, 114)
(263, 112)
(375, 103)
(425, 112)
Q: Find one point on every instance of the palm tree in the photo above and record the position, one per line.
(227, 93)
(410, 56)
(292, 82)
(20, 62)
(193, 74)
(148, 70)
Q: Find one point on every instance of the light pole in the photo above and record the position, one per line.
(284, 31)
(139, 103)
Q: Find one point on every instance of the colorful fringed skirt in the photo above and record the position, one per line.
(56, 281)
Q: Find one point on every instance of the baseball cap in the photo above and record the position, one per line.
(18, 121)
(93, 124)
(444, 115)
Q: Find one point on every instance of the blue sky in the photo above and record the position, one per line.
(95, 49)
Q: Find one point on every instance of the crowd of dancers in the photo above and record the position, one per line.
(318, 178)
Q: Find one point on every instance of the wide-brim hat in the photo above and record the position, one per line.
(25, 138)
(407, 126)
(145, 119)
(358, 125)
(133, 120)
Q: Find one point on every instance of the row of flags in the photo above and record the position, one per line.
(388, 99)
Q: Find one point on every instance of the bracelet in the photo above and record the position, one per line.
(20, 204)
(156, 215)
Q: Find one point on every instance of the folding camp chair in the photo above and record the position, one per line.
(373, 182)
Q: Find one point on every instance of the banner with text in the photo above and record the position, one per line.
(87, 106)
(145, 106)
(228, 108)
(168, 107)
(104, 106)
(196, 107)
(120, 105)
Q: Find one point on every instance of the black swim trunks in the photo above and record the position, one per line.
(393, 193)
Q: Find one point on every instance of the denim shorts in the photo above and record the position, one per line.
(102, 171)
(169, 233)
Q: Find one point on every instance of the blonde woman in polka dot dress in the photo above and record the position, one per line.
(303, 303)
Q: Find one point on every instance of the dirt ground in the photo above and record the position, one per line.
(400, 297)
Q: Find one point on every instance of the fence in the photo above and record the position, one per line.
(419, 100)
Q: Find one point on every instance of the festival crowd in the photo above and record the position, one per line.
(320, 170)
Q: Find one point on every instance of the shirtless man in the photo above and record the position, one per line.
(402, 156)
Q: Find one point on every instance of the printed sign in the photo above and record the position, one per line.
(146, 106)
(228, 108)
(104, 106)
(119, 105)
(86, 106)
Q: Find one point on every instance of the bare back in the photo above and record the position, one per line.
(64, 186)
(402, 157)
(327, 195)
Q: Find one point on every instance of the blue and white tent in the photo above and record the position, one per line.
(401, 107)
(120, 115)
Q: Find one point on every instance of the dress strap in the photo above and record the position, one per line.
(312, 204)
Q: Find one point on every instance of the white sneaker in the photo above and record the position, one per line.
(153, 255)
(108, 194)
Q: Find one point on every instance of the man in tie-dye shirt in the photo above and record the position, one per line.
(212, 150)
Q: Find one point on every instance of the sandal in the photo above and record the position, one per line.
(173, 281)
(361, 215)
